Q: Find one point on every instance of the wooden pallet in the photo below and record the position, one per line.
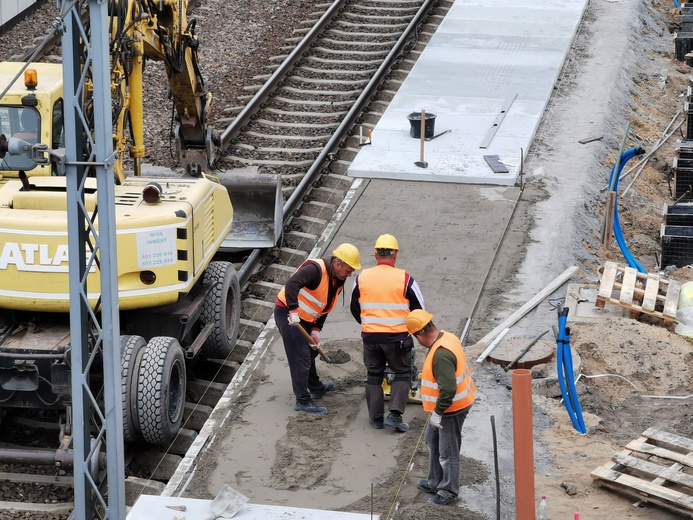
(640, 292)
(656, 468)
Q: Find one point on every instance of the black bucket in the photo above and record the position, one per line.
(415, 122)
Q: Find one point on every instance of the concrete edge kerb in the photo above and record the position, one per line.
(222, 413)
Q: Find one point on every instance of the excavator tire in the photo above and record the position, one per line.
(161, 390)
(131, 350)
(223, 308)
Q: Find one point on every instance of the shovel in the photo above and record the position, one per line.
(312, 344)
(421, 163)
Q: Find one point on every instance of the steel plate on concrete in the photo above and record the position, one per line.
(508, 349)
(581, 303)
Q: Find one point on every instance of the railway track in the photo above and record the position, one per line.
(305, 120)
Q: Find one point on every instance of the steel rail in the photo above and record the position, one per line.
(255, 257)
(289, 63)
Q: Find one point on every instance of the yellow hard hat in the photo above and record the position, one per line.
(348, 254)
(387, 242)
(417, 320)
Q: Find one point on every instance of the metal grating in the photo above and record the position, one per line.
(677, 245)
(678, 215)
(683, 172)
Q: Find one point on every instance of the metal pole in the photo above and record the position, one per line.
(76, 238)
(110, 320)
(92, 250)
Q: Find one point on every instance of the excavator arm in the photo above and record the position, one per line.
(158, 30)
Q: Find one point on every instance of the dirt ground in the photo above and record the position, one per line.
(621, 71)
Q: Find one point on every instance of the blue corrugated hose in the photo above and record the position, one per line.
(564, 367)
(625, 157)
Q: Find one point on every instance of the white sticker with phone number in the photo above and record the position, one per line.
(156, 248)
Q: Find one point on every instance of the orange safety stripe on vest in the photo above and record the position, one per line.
(464, 396)
(384, 307)
(311, 303)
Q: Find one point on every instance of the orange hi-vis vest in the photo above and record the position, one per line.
(381, 298)
(464, 396)
(312, 303)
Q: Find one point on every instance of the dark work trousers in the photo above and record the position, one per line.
(301, 358)
(375, 357)
(444, 453)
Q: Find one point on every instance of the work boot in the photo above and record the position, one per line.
(377, 423)
(424, 486)
(311, 407)
(317, 394)
(441, 500)
(395, 421)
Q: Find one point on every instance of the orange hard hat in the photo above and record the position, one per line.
(417, 320)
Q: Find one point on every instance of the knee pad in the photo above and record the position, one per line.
(404, 378)
(375, 379)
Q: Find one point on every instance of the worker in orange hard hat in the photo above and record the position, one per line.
(306, 299)
(447, 393)
(381, 300)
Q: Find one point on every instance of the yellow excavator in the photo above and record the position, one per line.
(176, 298)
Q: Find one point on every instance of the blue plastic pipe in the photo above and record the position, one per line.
(564, 365)
(625, 157)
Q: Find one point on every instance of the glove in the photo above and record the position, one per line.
(315, 336)
(435, 421)
(294, 319)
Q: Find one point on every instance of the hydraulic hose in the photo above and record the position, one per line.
(618, 234)
(564, 368)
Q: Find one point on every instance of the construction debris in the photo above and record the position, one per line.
(641, 293)
(653, 469)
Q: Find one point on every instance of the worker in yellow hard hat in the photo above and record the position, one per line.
(447, 393)
(306, 299)
(381, 300)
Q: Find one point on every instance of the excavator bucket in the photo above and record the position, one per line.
(257, 210)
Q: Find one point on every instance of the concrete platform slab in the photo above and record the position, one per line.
(148, 507)
(487, 60)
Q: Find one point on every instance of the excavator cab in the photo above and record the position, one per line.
(31, 110)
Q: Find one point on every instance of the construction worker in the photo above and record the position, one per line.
(381, 300)
(29, 119)
(447, 392)
(306, 299)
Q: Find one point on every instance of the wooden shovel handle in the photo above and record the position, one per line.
(312, 344)
(423, 133)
